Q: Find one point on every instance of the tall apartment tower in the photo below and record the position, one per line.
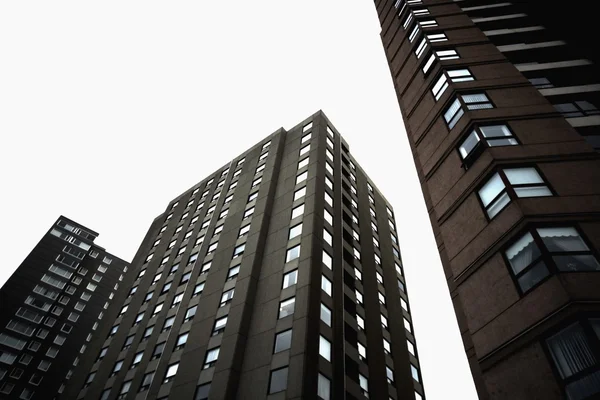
(277, 277)
(500, 103)
(50, 309)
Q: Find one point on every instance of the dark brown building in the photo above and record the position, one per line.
(51, 308)
(277, 277)
(500, 102)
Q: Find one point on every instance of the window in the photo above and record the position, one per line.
(325, 348)
(290, 278)
(148, 332)
(574, 352)
(292, 253)
(190, 313)
(219, 325)
(325, 314)
(323, 387)
(304, 150)
(359, 296)
(414, 33)
(202, 392)
(123, 310)
(364, 384)
(181, 341)
(212, 248)
(146, 381)
(490, 136)
(390, 374)
(171, 372)
(381, 298)
(263, 156)
(26, 394)
(185, 277)
(453, 113)
(362, 351)
(248, 213)
(157, 309)
(148, 296)
(256, 182)
(328, 217)
(407, 325)
(577, 109)
(198, 289)
(440, 87)
(283, 341)
(551, 249)
(227, 296)
(156, 278)
(305, 138)
(505, 184)
(168, 324)
(205, 267)
(329, 168)
(278, 380)
(211, 358)
(307, 127)
(414, 372)
(298, 194)
(286, 307)
(233, 272)
(158, 350)
(404, 304)
(421, 48)
(327, 237)
(329, 183)
(117, 367)
(303, 163)
(239, 250)
(297, 211)
(327, 260)
(328, 199)
(137, 358)
(244, 230)
(384, 321)
(296, 230)
(326, 285)
(436, 37)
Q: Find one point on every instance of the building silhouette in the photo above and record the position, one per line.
(50, 309)
(277, 277)
(500, 102)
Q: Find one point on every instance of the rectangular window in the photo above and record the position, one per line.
(326, 285)
(227, 296)
(509, 183)
(297, 211)
(283, 341)
(233, 272)
(278, 380)
(181, 341)
(290, 278)
(292, 253)
(323, 387)
(219, 326)
(574, 353)
(436, 37)
(171, 372)
(304, 150)
(421, 48)
(286, 307)
(453, 113)
(541, 250)
(303, 163)
(298, 194)
(295, 231)
(190, 313)
(327, 260)
(211, 358)
(428, 23)
(302, 177)
(325, 348)
(440, 87)
(325, 314)
(490, 136)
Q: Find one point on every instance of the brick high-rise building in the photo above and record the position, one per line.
(51, 307)
(501, 106)
(276, 277)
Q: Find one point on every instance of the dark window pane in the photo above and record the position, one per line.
(278, 380)
(283, 341)
(577, 263)
(202, 392)
(533, 276)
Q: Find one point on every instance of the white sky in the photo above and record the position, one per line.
(110, 109)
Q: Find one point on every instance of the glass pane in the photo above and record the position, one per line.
(459, 114)
(454, 73)
(491, 189)
(577, 263)
(530, 278)
(492, 131)
(519, 176)
(498, 205)
(482, 106)
(562, 239)
(534, 191)
(452, 110)
(468, 144)
(438, 85)
(571, 351)
(475, 98)
(502, 142)
(584, 387)
(522, 253)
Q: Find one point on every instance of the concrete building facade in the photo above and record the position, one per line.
(277, 277)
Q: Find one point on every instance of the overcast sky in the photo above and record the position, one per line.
(110, 109)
